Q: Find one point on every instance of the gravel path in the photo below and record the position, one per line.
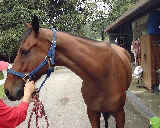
(65, 107)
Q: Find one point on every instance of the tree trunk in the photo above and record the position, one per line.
(102, 35)
(9, 58)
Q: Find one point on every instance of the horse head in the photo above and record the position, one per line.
(31, 53)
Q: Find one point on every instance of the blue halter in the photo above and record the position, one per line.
(50, 60)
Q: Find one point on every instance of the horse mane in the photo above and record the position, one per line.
(29, 31)
(85, 38)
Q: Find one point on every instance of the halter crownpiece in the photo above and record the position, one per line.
(50, 60)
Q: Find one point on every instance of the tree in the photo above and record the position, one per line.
(68, 16)
(13, 15)
(109, 12)
(78, 17)
(99, 24)
(65, 15)
(118, 8)
(97, 19)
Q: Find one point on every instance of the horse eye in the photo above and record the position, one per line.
(24, 52)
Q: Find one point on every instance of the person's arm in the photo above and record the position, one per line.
(12, 116)
(17, 114)
(22, 108)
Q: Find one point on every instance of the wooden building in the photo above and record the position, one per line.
(141, 23)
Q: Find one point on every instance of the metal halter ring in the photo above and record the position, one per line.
(26, 76)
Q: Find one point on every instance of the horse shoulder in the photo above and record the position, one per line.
(126, 60)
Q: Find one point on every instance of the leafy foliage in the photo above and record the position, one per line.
(118, 8)
(2, 94)
(13, 15)
(65, 15)
(110, 11)
(79, 17)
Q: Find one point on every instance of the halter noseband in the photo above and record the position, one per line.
(50, 60)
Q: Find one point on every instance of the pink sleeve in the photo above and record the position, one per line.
(20, 112)
(12, 116)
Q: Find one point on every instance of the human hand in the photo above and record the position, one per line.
(28, 90)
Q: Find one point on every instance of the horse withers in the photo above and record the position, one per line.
(104, 68)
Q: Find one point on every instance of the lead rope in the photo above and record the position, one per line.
(38, 110)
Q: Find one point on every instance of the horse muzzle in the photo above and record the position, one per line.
(14, 88)
(18, 94)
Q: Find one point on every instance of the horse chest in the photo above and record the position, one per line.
(93, 96)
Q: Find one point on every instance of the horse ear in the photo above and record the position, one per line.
(28, 25)
(35, 24)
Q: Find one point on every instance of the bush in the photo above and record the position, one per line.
(2, 94)
(1, 75)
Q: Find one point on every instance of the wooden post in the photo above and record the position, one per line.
(146, 60)
(150, 59)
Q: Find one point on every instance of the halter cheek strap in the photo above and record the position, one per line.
(50, 60)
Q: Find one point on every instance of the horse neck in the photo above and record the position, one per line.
(76, 54)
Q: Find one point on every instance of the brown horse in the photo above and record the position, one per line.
(104, 68)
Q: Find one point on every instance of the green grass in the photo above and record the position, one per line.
(2, 95)
(1, 75)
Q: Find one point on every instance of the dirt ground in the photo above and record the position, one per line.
(65, 107)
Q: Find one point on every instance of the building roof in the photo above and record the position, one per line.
(140, 9)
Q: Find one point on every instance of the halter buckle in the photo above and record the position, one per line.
(25, 77)
(49, 62)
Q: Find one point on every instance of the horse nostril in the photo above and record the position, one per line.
(6, 92)
(20, 93)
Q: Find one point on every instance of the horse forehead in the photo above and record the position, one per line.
(29, 42)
